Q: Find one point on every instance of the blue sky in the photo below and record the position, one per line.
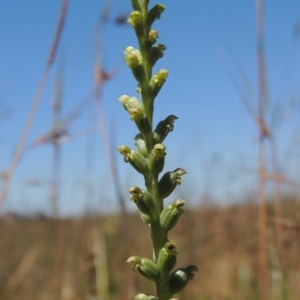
(214, 137)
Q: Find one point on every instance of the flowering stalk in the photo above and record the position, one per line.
(149, 158)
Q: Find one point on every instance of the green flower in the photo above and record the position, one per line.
(134, 61)
(167, 257)
(163, 128)
(144, 297)
(140, 144)
(135, 19)
(156, 53)
(155, 13)
(145, 266)
(180, 278)
(169, 181)
(135, 158)
(133, 57)
(153, 36)
(143, 200)
(157, 81)
(131, 102)
(157, 158)
(170, 215)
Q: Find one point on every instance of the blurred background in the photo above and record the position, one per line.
(233, 84)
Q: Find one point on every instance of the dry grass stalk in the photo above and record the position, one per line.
(68, 291)
(36, 101)
(100, 77)
(23, 268)
(100, 261)
(289, 224)
(263, 133)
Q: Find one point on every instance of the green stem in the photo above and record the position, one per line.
(162, 289)
(159, 239)
(158, 235)
(145, 48)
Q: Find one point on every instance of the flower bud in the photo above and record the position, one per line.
(140, 144)
(145, 266)
(131, 102)
(135, 158)
(137, 114)
(136, 21)
(140, 297)
(180, 278)
(144, 297)
(138, 89)
(157, 81)
(167, 257)
(134, 61)
(157, 52)
(143, 200)
(153, 36)
(170, 215)
(163, 128)
(155, 13)
(133, 57)
(157, 158)
(169, 181)
(125, 151)
(140, 119)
